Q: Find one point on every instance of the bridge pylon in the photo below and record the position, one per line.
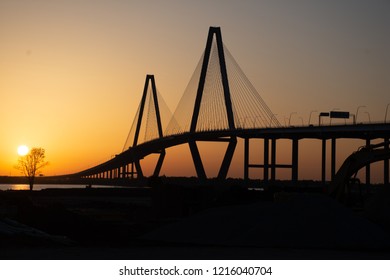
(232, 141)
(225, 82)
(155, 107)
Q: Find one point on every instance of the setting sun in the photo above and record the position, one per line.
(22, 150)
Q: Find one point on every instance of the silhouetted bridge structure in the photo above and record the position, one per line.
(221, 105)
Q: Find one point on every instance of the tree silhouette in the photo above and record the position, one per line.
(31, 163)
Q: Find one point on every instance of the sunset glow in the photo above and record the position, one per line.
(72, 72)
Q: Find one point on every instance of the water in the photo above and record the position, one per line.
(38, 187)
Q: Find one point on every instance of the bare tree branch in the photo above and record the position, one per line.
(31, 163)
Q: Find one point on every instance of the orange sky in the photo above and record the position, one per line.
(72, 72)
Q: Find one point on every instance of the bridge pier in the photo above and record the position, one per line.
(294, 160)
(121, 172)
(126, 171)
(129, 172)
(273, 166)
(266, 159)
(132, 171)
(273, 159)
(323, 162)
(386, 165)
(368, 166)
(265, 164)
(246, 159)
(333, 158)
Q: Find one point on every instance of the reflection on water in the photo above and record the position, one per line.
(17, 187)
(38, 187)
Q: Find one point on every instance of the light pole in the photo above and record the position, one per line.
(387, 107)
(357, 111)
(310, 115)
(289, 119)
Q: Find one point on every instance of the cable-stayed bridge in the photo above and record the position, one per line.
(221, 105)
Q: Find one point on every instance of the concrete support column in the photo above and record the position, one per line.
(323, 162)
(386, 165)
(246, 158)
(266, 159)
(273, 159)
(294, 169)
(368, 167)
(333, 158)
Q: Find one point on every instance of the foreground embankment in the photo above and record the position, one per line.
(172, 221)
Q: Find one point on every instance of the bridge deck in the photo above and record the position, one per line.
(360, 131)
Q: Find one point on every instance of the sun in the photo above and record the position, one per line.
(22, 150)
